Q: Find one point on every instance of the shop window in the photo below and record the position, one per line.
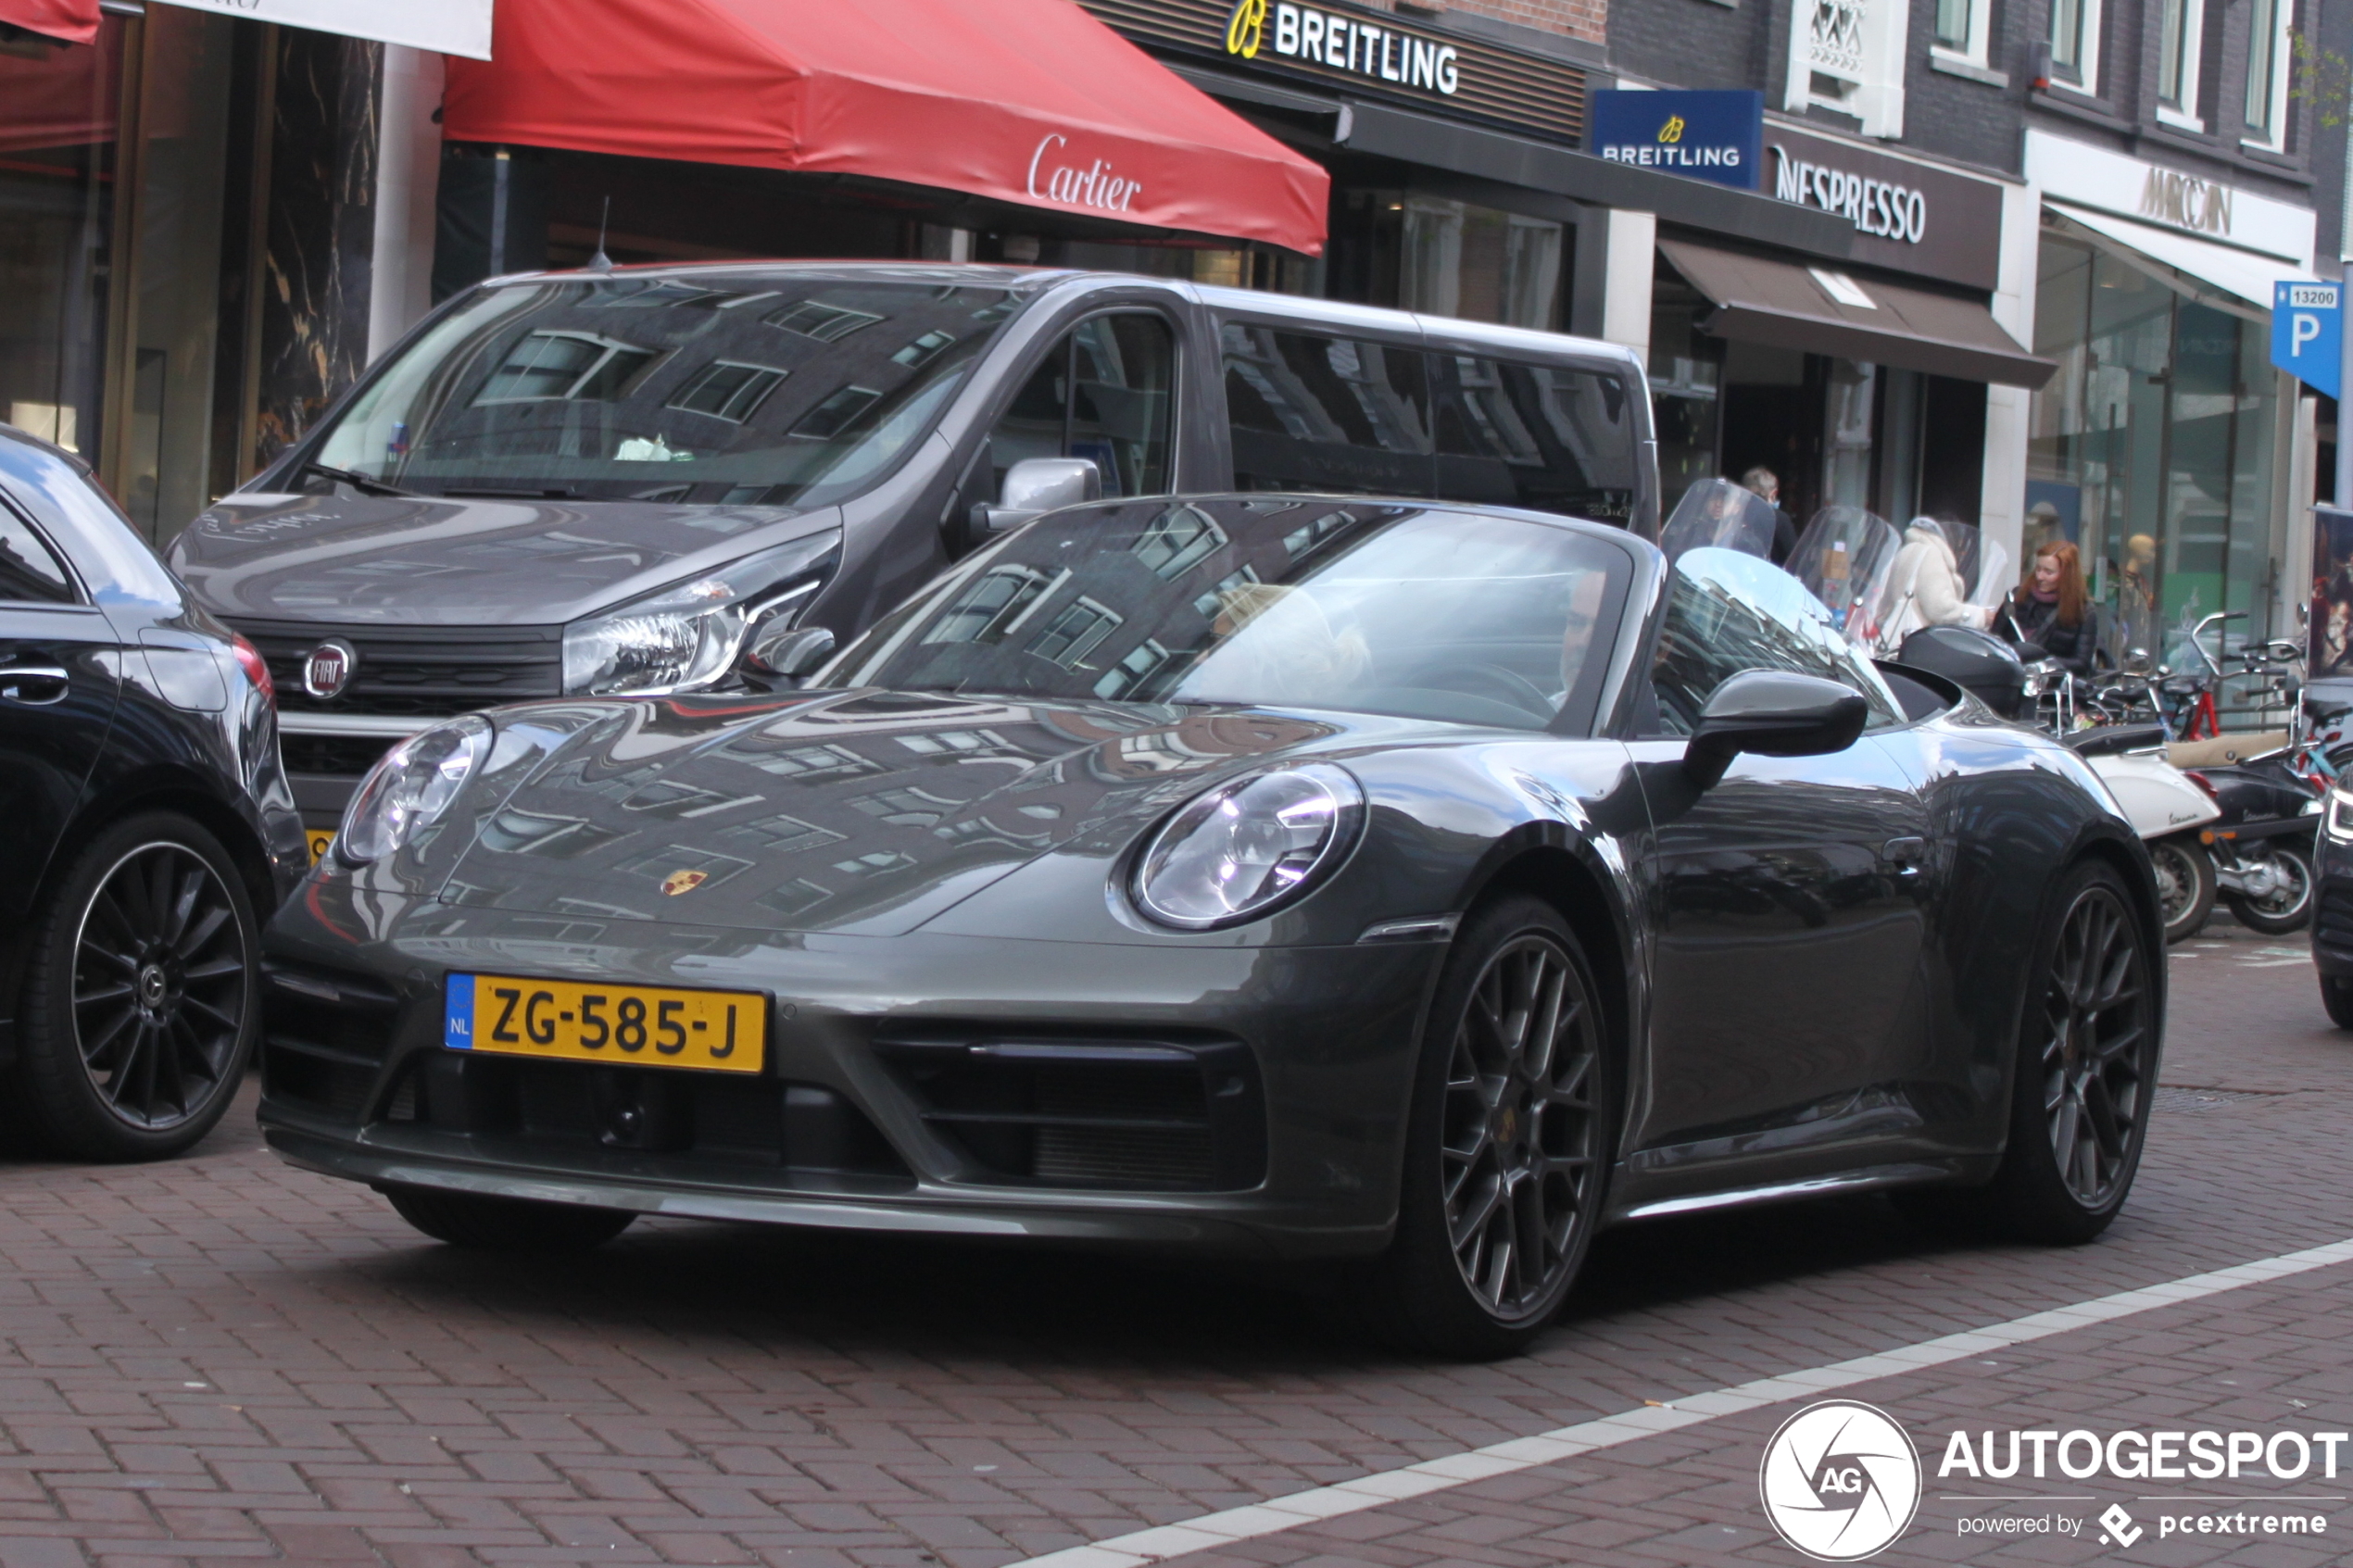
(1310, 412)
(1104, 393)
(1476, 264)
(2155, 447)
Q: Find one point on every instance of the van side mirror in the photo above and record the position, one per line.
(781, 652)
(1039, 484)
(1773, 713)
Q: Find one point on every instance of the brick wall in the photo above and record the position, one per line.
(1579, 19)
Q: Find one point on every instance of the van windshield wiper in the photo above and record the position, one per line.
(361, 482)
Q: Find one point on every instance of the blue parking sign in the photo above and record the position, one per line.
(2307, 332)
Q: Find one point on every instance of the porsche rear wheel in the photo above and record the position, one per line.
(1508, 1143)
(484, 1223)
(2085, 1076)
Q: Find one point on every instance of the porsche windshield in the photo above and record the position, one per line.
(1271, 602)
(736, 391)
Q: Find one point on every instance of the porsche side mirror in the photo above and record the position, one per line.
(1039, 484)
(1774, 713)
(783, 652)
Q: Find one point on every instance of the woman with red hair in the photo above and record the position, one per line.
(2054, 607)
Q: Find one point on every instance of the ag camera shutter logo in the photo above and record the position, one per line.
(1841, 1481)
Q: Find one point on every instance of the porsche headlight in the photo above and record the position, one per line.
(688, 634)
(2340, 817)
(414, 784)
(1248, 847)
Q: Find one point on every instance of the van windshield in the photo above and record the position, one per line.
(793, 391)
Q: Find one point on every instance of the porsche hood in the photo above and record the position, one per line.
(860, 812)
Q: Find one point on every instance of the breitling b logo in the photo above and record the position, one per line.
(684, 882)
(1246, 29)
(1673, 129)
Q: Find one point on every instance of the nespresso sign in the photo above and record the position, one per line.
(1912, 216)
(1368, 54)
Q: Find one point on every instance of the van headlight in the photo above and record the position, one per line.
(688, 634)
(1248, 847)
(2340, 817)
(412, 785)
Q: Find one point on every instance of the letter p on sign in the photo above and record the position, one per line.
(2307, 332)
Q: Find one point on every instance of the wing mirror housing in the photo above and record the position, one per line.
(1039, 484)
(782, 654)
(1773, 713)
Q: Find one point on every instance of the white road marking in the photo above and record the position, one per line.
(1277, 1514)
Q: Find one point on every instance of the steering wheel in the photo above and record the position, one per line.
(1513, 687)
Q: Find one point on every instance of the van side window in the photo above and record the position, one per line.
(1105, 392)
(1547, 437)
(1312, 412)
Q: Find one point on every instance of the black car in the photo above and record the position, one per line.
(149, 829)
(1409, 887)
(2332, 907)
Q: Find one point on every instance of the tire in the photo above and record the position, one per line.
(2337, 996)
(2288, 912)
(483, 1224)
(2087, 1056)
(1508, 1142)
(142, 994)
(2184, 886)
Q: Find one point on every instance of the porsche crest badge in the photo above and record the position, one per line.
(684, 882)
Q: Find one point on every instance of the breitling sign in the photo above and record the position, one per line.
(1343, 43)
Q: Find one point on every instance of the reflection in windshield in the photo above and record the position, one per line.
(1363, 607)
(741, 390)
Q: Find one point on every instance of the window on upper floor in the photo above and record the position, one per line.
(2181, 28)
(2266, 70)
(1961, 29)
(2075, 44)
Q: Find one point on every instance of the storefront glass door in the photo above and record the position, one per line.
(2153, 446)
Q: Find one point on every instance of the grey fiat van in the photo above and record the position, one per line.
(624, 480)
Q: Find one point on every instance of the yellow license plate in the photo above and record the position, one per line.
(321, 840)
(638, 1026)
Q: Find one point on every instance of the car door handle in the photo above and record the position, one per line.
(1904, 854)
(33, 686)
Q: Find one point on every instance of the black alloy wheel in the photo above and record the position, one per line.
(1509, 1141)
(2336, 996)
(141, 1002)
(2098, 1051)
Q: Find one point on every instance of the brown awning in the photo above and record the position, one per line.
(1785, 304)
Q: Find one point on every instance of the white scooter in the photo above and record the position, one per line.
(2166, 809)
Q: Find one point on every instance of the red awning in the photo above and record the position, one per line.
(76, 21)
(1031, 102)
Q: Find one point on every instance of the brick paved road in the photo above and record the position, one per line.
(224, 1360)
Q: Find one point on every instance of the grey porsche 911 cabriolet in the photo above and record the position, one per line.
(1410, 887)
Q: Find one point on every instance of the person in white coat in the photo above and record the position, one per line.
(1927, 583)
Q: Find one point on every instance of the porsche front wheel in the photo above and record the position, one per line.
(1508, 1143)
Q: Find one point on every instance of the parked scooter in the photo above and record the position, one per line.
(2166, 809)
(2262, 839)
(2172, 815)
